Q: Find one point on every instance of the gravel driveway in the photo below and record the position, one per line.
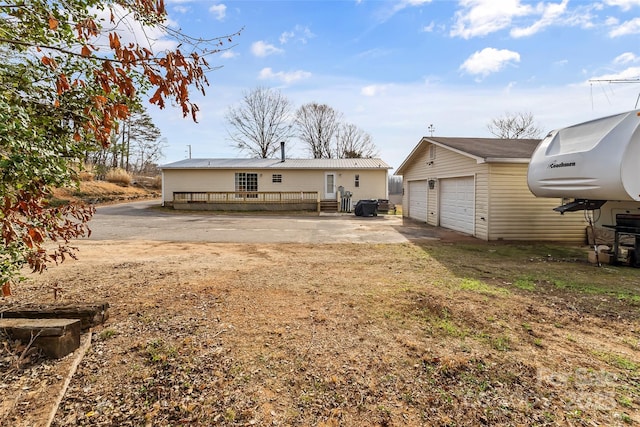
(148, 221)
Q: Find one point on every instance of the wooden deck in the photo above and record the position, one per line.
(247, 201)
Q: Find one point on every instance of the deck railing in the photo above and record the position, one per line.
(245, 197)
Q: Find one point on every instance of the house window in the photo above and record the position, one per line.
(357, 181)
(276, 177)
(246, 183)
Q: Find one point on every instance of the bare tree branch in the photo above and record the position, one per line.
(317, 125)
(354, 143)
(515, 126)
(260, 122)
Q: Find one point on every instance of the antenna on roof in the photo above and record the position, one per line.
(636, 80)
(189, 147)
(431, 129)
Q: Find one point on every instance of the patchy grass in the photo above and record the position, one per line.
(351, 334)
(481, 287)
(542, 269)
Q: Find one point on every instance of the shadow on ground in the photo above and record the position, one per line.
(416, 231)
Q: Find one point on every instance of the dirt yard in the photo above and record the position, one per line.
(415, 334)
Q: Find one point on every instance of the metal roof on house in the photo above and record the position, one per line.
(277, 164)
(484, 150)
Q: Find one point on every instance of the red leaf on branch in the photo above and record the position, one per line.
(114, 41)
(36, 235)
(62, 84)
(53, 23)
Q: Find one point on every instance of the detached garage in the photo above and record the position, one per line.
(478, 186)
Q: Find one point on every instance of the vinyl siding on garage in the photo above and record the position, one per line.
(516, 214)
(449, 164)
(504, 206)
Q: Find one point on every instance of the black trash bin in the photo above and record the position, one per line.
(367, 208)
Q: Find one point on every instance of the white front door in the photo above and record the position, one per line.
(330, 185)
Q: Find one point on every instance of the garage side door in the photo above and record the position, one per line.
(418, 200)
(457, 203)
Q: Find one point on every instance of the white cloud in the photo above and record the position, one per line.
(410, 3)
(623, 4)
(229, 54)
(262, 49)
(581, 16)
(626, 58)
(219, 10)
(286, 36)
(428, 28)
(390, 8)
(626, 28)
(180, 9)
(299, 33)
(373, 90)
(482, 17)
(288, 78)
(551, 13)
(489, 60)
(373, 53)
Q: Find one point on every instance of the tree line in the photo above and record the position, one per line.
(256, 126)
(136, 147)
(265, 117)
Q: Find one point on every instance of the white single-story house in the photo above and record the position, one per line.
(273, 184)
(478, 186)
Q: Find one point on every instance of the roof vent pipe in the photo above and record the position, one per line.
(282, 151)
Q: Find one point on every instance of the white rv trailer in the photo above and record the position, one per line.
(595, 164)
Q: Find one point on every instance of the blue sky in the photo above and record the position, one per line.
(395, 67)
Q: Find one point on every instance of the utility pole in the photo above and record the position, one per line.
(189, 146)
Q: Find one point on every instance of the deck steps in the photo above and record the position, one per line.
(328, 206)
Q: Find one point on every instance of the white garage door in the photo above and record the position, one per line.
(418, 200)
(456, 204)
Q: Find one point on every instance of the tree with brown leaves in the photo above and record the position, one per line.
(68, 77)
